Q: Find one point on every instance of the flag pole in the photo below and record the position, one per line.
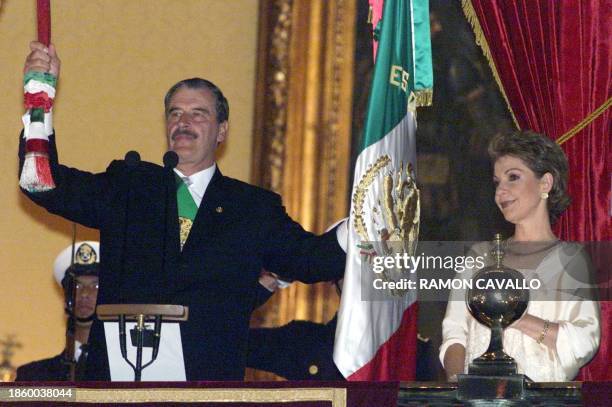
(43, 14)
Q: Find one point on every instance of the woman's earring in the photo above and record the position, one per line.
(544, 195)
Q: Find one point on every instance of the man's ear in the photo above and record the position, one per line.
(223, 130)
(546, 182)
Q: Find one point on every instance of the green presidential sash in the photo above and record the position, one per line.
(187, 209)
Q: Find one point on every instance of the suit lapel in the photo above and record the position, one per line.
(173, 245)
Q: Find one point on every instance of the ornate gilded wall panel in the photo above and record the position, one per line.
(303, 130)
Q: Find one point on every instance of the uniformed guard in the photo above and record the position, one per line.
(76, 270)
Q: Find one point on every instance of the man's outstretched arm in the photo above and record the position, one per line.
(73, 194)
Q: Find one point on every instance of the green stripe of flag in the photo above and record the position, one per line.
(403, 66)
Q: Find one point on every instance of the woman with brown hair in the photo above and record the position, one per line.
(559, 331)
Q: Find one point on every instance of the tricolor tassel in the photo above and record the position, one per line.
(39, 92)
(36, 171)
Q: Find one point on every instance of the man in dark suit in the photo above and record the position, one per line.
(228, 231)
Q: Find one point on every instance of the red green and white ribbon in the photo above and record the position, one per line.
(39, 92)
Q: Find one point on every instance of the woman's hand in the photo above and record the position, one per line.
(454, 361)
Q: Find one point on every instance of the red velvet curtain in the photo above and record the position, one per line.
(554, 62)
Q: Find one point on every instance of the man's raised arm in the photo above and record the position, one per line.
(67, 192)
(41, 70)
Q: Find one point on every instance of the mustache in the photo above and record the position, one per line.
(183, 132)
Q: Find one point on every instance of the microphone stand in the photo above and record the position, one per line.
(170, 161)
(141, 313)
(132, 160)
(68, 357)
(140, 331)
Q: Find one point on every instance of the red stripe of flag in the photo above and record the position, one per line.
(396, 358)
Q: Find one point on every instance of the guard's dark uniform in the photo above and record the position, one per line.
(46, 370)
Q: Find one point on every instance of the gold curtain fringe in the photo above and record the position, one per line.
(585, 122)
(481, 41)
(424, 97)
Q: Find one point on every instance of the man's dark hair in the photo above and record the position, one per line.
(221, 104)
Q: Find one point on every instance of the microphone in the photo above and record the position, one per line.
(132, 158)
(170, 159)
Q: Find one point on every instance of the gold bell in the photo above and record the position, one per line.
(219, 209)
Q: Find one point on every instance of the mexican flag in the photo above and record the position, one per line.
(376, 335)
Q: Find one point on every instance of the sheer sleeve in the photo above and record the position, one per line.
(455, 327)
(578, 337)
(455, 323)
(579, 331)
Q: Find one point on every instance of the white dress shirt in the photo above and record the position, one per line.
(198, 182)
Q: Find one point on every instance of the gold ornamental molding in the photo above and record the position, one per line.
(304, 106)
(302, 129)
(337, 396)
(271, 93)
(339, 123)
